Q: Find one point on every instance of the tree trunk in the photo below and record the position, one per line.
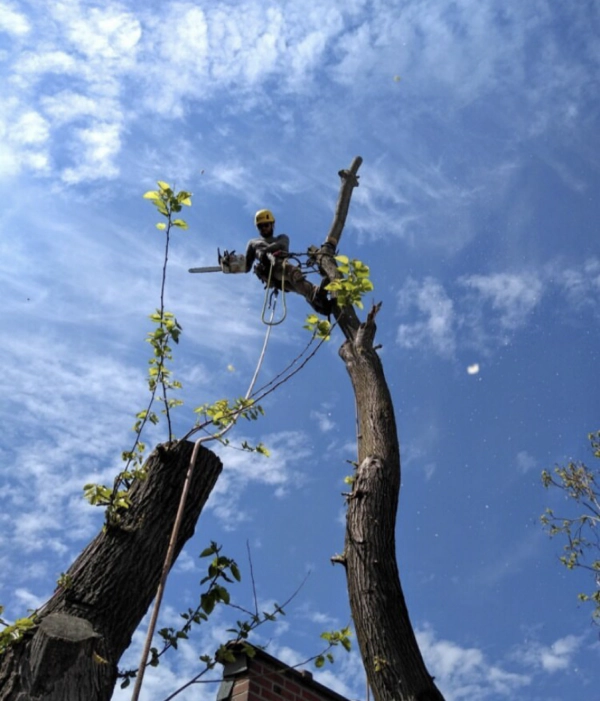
(393, 663)
(85, 627)
(389, 650)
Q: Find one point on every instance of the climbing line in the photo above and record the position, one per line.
(264, 309)
(179, 518)
(261, 357)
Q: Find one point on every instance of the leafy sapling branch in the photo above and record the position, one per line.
(580, 484)
(223, 415)
(160, 382)
(348, 289)
(221, 570)
(352, 284)
(12, 633)
(320, 328)
(168, 203)
(333, 639)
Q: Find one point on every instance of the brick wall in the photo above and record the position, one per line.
(265, 678)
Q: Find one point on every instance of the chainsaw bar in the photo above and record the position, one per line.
(209, 269)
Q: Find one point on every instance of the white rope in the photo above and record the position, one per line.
(279, 321)
(179, 517)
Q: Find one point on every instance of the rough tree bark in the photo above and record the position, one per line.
(391, 656)
(84, 629)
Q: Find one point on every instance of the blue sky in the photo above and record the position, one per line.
(478, 125)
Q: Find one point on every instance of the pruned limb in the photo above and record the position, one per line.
(86, 626)
(349, 182)
(346, 317)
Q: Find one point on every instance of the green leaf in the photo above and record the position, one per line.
(184, 197)
(24, 623)
(211, 550)
(223, 595)
(151, 195)
(161, 226)
(180, 223)
(207, 603)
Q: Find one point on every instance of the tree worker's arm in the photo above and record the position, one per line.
(250, 256)
(281, 243)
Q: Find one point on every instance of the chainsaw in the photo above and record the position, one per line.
(228, 263)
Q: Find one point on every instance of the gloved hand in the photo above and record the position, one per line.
(225, 258)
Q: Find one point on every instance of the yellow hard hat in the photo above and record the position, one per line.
(264, 216)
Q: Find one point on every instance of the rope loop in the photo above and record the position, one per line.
(271, 297)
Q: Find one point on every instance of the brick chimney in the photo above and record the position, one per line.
(265, 678)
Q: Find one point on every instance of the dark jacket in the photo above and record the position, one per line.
(265, 244)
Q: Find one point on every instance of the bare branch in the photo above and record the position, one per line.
(349, 182)
(346, 316)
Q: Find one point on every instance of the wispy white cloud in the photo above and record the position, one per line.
(31, 128)
(281, 472)
(12, 21)
(68, 106)
(27, 599)
(323, 419)
(552, 658)
(438, 328)
(581, 284)
(323, 619)
(31, 66)
(96, 148)
(95, 47)
(25, 134)
(416, 452)
(179, 54)
(512, 296)
(409, 197)
(186, 563)
(346, 676)
(485, 310)
(465, 672)
(525, 462)
(107, 33)
(57, 405)
(176, 669)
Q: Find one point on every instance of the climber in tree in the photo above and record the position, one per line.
(271, 253)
